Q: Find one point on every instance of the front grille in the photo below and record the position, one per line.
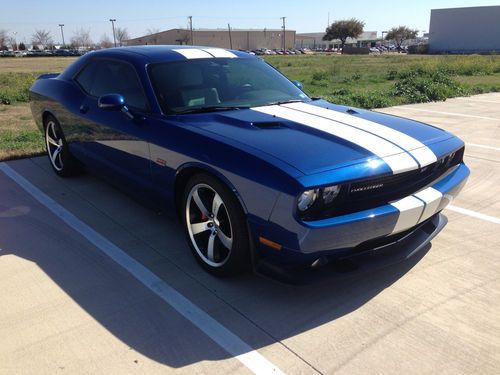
(371, 193)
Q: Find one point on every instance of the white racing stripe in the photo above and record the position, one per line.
(417, 208)
(193, 53)
(219, 52)
(398, 160)
(432, 199)
(204, 53)
(420, 152)
(252, 359)
(410, 210)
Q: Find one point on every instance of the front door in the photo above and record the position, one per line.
(110, 142)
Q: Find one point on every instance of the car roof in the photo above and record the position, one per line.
(144, 55)
(165, 53)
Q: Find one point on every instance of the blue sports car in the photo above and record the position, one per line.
(259, 173)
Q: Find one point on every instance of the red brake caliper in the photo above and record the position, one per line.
(204, 217)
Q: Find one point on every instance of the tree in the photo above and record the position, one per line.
(12, 42)
(152, 30)
(400, 34)
(81, 38)
(41, 38)
(121, 35)
(105, 41)
(344, 29)
(3, 38)
(22, 47)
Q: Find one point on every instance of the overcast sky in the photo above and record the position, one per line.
(23, 16)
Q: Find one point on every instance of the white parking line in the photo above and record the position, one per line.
(483, 146)
(479, 100)
(249, 357)
(449, 113)
(475, 214)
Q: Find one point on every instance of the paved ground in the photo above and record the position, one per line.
(67, 307)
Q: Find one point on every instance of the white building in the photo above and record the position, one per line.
(465, 30)
(315, 40)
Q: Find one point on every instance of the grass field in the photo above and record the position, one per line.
(19, 136)
(386, 80)
(363, 81)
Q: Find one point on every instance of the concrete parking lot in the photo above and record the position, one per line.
(93, 282)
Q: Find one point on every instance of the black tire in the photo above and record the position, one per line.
(60, 158)
(229, 223)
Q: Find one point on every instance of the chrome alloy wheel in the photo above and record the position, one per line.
(209, 225)
(54, 143)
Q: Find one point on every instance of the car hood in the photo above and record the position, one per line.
(319, 136)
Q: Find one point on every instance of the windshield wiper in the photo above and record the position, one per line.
(286, 101)
(211, 108)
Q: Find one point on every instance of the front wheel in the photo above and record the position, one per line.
(215, 226)
(61, 160)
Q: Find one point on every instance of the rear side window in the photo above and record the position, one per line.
(86, 77)
(102, 77)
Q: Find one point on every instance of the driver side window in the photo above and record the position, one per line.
(102, 77)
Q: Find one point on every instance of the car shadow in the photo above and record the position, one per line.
(258, 310)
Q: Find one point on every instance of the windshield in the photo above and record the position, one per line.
(220, 83)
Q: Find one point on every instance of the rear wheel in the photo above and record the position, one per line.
(215, 226)
(61, 160)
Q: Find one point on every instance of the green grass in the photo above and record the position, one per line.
(19, 136)
(14, 86)
(376, 81)
(21, 139)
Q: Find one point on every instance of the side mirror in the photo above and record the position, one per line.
(298, 84)
(111, 102)
(114, 102)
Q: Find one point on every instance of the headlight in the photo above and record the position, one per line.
(307, 199)
(330, 193)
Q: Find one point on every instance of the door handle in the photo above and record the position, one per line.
(84, 108)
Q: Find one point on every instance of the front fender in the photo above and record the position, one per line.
(193, 165)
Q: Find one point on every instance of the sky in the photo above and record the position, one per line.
(22, 17)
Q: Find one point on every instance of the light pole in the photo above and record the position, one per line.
(61, 25)
(113, 20)
(15, 41)
(230, 38)
(191, 28)
(284, 34)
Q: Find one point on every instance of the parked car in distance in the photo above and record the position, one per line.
(258, 173)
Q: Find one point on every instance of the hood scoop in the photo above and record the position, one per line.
(268, 124)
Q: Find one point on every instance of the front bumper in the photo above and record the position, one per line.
(398, 216)
(305, 242)
(358, 260)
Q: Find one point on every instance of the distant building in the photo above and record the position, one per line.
(465, 30)
(238, 39)
(315, 40)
